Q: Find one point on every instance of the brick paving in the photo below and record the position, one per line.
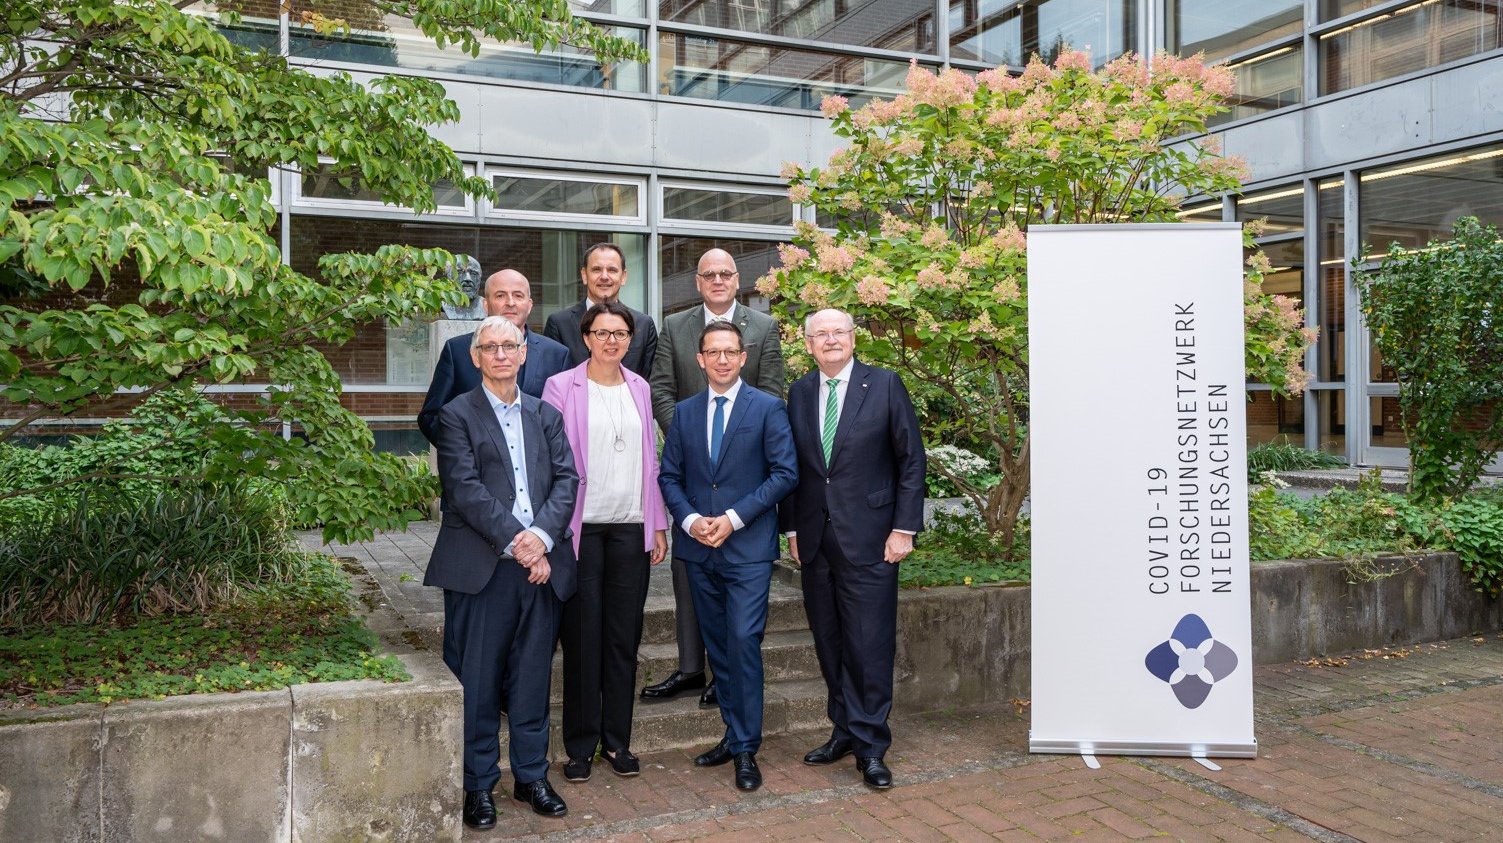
(1403, 744)
(1386, 745)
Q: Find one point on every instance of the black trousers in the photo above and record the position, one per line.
(853, 613)
(602, 629)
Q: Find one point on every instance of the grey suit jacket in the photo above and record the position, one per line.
(478, 493)
(676, 374)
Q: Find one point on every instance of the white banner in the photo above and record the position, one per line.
(1142, 632)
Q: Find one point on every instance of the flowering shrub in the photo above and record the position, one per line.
(931, 198)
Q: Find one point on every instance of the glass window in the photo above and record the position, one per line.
(549, 259)
(1406, 40)
(1274, 418)
(1387, 424)
(1330, 355)
(705, 205)
(393, 41)
(326, 185)
(1333, 9)
(1010, 33)
(542, 194)
(888, 24)
(679, 259)
(1415, 202)
(757, 74)
(1264, 83)
(257, 29)
(1330, 405)
(1220, 28)
(1201, 212)
(623, 8)
(1282, 209)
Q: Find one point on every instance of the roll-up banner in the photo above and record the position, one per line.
(1142, 631)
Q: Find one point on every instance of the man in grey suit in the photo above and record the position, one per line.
(506, 563)
(676, 376)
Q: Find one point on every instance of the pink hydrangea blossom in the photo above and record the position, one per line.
(800, 194)
(873, 290)
(768, 284)
(1071, 59)
(834, 105)
(1010, 239)
(835, 259)
(791, 255)
(935, 237)
(789, 171)
(931, 277)
(815, 295)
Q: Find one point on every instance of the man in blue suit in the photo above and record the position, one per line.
(859, 501)
(505, 560)
(728, 460)
(508, 294)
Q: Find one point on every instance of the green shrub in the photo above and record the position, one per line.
(949, 461)
(1286, 456)
(1276, 529)
(114, 554)
(1473, 528)
(956, 549)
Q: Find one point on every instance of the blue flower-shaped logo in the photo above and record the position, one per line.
(1191, 661)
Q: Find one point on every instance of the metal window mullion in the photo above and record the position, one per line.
(1356, 330)
(1311, 289)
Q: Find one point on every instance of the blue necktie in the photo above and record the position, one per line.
(716, 425)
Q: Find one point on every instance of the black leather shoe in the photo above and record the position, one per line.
(874, 773)
(710, 698)
(675, 684)
(479, 809)
(714, 756)
(828, 752)
(748, 777)
(541, 796)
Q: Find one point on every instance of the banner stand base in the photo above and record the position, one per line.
(1201, 752)
(1207, 763)
(1090, 760)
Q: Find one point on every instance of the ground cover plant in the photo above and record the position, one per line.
(271, 636)
(1283, 455)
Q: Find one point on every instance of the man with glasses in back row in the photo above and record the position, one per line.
(677, 375)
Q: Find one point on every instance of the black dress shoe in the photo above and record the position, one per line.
(675, 684)
(748, 777)
(479, 809)
(577, 769)
(541, 796)
(829, 752)
(710, 698)
(622, 762)
(714, 756)
(874, 773)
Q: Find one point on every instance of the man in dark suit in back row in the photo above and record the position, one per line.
(603, 271)
(850, 521)
(506, 563)
(677, 375)
(506, 293)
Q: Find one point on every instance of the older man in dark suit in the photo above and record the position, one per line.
(728, 460)
(676, 375)
(603, 271)
(859, 502)
(506, 563)
(506, 293)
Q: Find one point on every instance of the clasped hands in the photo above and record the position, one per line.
(711, 532)
(532, 554)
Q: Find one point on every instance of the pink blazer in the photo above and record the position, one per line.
(569, 392)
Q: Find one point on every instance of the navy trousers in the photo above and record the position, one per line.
(853, 613)
(501, 644)
(731, 601)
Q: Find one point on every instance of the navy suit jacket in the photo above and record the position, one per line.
(476, 474)
(563, 327)
(455, 374)
(874, 483)
(757, 468)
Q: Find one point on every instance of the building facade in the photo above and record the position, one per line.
(1363, 123)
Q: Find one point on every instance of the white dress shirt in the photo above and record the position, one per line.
(509, 416)
(730, 402)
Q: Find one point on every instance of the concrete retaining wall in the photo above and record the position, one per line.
(340, 761)
(969, 646)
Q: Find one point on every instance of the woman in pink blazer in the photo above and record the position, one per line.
(620, 530)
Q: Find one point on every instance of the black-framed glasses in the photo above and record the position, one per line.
(619, 335)
(491, 349)
(723, 353)
(722, 274)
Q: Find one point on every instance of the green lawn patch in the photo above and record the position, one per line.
(271, 637)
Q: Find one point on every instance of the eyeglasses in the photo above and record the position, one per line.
(621, 335)
(490, 349)
(821, 336)
(722, 274)
(722, 353)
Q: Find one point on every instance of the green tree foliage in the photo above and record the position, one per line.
(932, 197)
(1436, 314)
(135, 229)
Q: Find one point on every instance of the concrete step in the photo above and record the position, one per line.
(786, 655)
(785, 611)
(788, 706)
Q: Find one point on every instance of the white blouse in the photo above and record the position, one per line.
(613, 493)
